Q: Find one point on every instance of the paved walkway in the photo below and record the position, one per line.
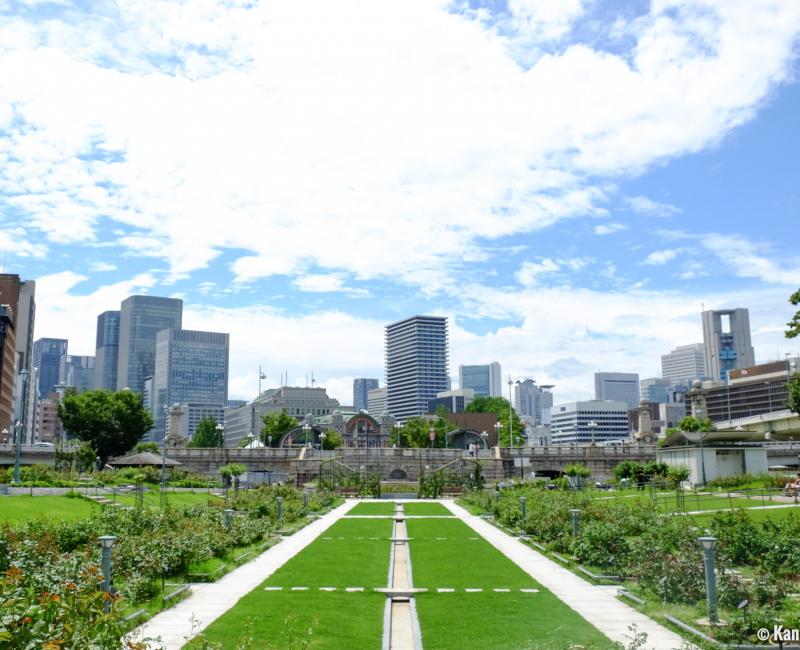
(211, 600)
(597, 604)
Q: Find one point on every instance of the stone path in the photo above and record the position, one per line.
(210, 600)
(403, 632)
(597, 604)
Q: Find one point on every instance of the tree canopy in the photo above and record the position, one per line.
(793, 398)
(501, 408)
(691, 423)
(275, 425)
(111, 422)
(794, 323)
(332, 440)
(206, 434)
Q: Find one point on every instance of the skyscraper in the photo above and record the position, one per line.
(533, 401)
(6, 369)
(47, 355)
(619, 386)
(655, 389)
(77, 372)
(726, 335)
(19, 296)
(107, 350)
(483, 379)
(416, 364)
(684, 364)
(141, 319)
(361, 388)
(190, 368)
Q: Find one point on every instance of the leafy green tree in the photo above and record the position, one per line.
(111, 422)
(416, 432)
(793, 399)
(333, 440)
(142, 447)
(232, 471)
(501, 408)
(276, 425)
(691, 423)
(206, 434)
(626, 469)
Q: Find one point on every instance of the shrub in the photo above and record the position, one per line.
(602, 544)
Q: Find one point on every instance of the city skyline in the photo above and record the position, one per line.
(563, 237)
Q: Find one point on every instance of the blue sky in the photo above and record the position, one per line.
(568, 181)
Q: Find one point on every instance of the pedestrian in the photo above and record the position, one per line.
(640, 478)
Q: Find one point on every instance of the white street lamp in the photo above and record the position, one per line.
(497, 427)
(592, 424)
(322, 437)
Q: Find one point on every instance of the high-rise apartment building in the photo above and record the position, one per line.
(190, 367)
(655, 390)
(361, 388)
(141, 319)
(7, 354)
(19, 296)
(77, 372)
(533, 401)
(107, 350)
(620, 386)
(726, 335)
(484, 379)
(416, 364)
(684, 364)
(47, 354)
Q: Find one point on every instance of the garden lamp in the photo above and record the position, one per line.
(106, 543)
(711, 579)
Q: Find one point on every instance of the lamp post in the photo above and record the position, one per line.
(711, 579)
(306, 429)
(576, 521)
(484, 436)
(497, 427)
(592, 424)
(522, 511)
(221, 437)
(269, 440)
(510, 415)
(23, 375)
(18, 449)
(228, 517)
(280, 509)
(106, 543)
(322, 437)
(699, 413)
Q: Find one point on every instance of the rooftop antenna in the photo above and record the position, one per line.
(312, 379)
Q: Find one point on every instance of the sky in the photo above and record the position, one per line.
(569, 181)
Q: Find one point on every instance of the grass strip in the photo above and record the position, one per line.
(373, 508)
(24, 507)
(420, 508)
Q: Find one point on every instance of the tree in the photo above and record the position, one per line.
(142, 447)
(501, 408)
(416, 432)
(332, 440)
(793, 386)
(691, 423)
(234, 471)
(207, 434)
(111, 422)
(276, 425)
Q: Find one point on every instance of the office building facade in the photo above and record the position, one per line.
(485, 380)
(7, 358)
(533, 401)
(617, 386)
(361, 388)
(726, 337)
(455, 401)
(416, 364)
(655, 390)
(77, 372)
(684, 364)
(595, 421)
(141, 319)
(190, 367)
(377, 401)
(107, 350)
(47, 355)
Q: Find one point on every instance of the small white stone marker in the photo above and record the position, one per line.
(445, 590)
(358, 538)
(501, 591)
(272, 588)
(327, 588)
(352, 589)
(374, 537)
(299, 588)
(441, 538)
(473, 591)
(472, 538)
(529, 591)
(327, 538)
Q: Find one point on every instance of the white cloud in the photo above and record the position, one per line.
(297, 134)
(528, 274)
(657, 258)
(749, 259)
(322, 283)
(650, 208)
(101, 267)
(16, 243)
(608, 228)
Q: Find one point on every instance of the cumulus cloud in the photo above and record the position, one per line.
(650, 208)
(608, 228)
(657, 258)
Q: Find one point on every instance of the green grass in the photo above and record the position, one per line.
(485, 620)
(24, 507)
(417, 508)
(278, 620)
(373, 508)
(152, 498)
(335, 619)
(755, 515)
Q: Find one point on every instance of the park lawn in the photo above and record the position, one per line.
(456, 621)
(278, 620)
(756, 514)
(353, 561)
(152, 498)
(24, 507)
(373, 508)
(419, 508)
(485, 620)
